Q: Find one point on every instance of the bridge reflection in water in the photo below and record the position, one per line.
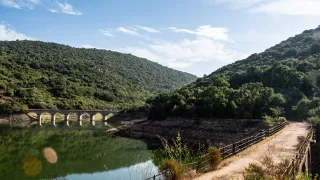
(40, 115)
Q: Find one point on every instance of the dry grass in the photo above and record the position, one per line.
(254, 172)
(214, 157)
(172, 167)
(266, 169)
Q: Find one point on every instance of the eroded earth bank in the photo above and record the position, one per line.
(215, 132)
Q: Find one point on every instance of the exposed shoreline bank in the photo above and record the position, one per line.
(215, 132)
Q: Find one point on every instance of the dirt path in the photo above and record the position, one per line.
(281, 146)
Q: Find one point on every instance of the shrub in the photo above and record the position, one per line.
(3, 86)
(307, 176)
(282, 119)
(254, 172)
(272, 169)
(290, 53)
(269, 170)
(280, 168)
(214, 157)
(172, 167)
(314, 112)
(315, 48)
(272, 121)
(178, 151)
(268, 120)
(315, 121)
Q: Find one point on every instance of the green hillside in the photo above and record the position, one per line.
(37, 74)
(284, 79)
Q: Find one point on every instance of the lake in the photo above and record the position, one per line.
(72, 154)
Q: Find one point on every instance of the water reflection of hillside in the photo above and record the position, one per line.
(79, 151)
(135, 172)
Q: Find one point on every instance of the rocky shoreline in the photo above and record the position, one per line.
(215, 132)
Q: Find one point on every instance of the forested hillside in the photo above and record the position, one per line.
(284, 79)
(36, 74)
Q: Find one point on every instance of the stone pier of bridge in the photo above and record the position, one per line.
(39, 113)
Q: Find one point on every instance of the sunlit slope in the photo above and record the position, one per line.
(284, 76)
(49, 75)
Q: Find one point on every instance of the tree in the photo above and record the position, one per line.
(3, 52)
(290, 53)
(315, 121)
(277, 111)
(302, 108)
(45, 75)
(284, 77)
(315, 49)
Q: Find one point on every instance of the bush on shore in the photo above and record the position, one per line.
(172, 168)
(214, 157)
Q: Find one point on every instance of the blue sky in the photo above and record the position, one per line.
(195, 36)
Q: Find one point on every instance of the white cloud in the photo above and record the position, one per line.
(187, 52)
(10, 3)
(35, 1)
(53, 10)
(287, 7)
(127, 31)
(142, 52)
(216, 33)
(208, 45)
(53, 7)
(290, 7)
(174, 29)
(19, 4)
(148, 29)
(106, 32)
(67, 9)
(196, 50)
(236, 4)
(8, 34)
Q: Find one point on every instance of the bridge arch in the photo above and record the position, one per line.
(43, 115)
(108, 116)
(33, 115)
(72, 116)
(46, 117)
(97, 117)
(58, 117)
(86, 117)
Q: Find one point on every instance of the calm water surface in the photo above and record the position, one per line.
(81, 154)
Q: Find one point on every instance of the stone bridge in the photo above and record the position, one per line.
(39, 113)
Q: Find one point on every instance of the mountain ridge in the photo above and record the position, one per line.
(285, 77)
(38, 74)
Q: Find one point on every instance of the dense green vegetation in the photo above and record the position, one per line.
(36, 74)
(78, 151)
(286, 77)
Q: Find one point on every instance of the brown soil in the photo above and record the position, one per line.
(215, 132)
